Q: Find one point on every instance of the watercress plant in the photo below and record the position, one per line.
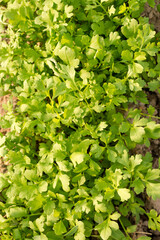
(75, 66)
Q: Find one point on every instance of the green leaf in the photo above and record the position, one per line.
(151, 110)
(144, 238)
(139, 56)
(94, 168)
(113, 225)
(152, 174)
(43, 186)
(3, 151)
(113, 37)
(72, 231)
(40, 223)
(137, 134)
(98, 218)
(40, 237)
(134, 70)
(80, 233)
(151, 224)
(130, 28)
(111, 10)
(77, 158)
(59, 90)
(59, 228)
(112, 155)
(137, 68)
(84, 75)
(100, 184)
(124, 194)
(97, 42)
(115, 216)
(151, 3)
(3, 183)
(64, 166)
(80, 168)
(117, 177)
(153, 85)
(78, 112)
(65, 182)
(36, 203)
(118, 235)
(68, 10)
(151, 49)
(122, 8)
(96, 150)
(49, 207)
(158, 7)
(99, 107)
(2, 140)
(124, 127)
(135, 161)
(13, 16)
(17, 212)
(153, 130)
(16, 234)
(131, 229)
(104, 230)
(31, 54)
(52, 236)
(67, 55)
(153, 190)
(138, 186)
(104, 1)
(30, 174)
(88, 228)
(127, 55)
(140, 122)
(102, 126)
(153, 213)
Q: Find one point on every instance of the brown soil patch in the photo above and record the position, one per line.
(3, 101)
(153, 15)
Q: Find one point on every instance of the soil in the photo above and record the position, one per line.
(3, 101)
(153, 15)
(154, 149)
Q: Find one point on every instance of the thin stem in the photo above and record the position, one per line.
(102, 69)
(146, 233)
(124, 229)
(144, 114)
(96, 236)
(100, 4)
(148, 115)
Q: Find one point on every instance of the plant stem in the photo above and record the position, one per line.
(125, 229)
(100, 4)
(146, 233)
(148, 115)
(96, 236)
(144, 114)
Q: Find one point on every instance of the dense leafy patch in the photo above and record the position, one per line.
(75, 66)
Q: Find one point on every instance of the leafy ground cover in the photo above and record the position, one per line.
(75, 67)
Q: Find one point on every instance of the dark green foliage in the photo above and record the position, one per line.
(74, 66)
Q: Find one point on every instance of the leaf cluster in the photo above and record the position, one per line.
(75, 66)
